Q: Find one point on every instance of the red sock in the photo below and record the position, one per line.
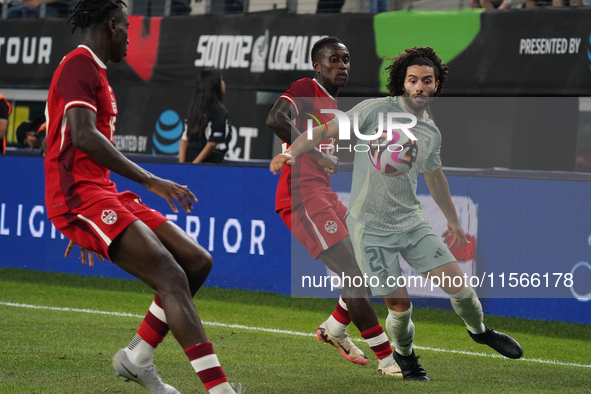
(206, 364)
(377, 341)
(341, 314)
(154, 327)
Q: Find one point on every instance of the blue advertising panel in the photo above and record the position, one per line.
(539, 233)
(234, 219)
(529, 237)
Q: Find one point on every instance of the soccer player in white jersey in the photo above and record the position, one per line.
(385, 219)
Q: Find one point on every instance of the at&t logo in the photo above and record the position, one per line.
(169, 129)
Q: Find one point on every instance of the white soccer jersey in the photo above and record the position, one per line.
(383, 202)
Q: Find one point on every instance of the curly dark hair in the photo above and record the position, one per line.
(417, 56)
(90, 12)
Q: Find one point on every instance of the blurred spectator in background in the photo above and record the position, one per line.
(32, 8)
(377, 6)
(500, 4)
(329, 6)
(555, 3)
(180, 7)
(207, 128)
(156, 7)
(233, 6)
(505, 4)
(226, 6)
(31, 134)
(5, 110)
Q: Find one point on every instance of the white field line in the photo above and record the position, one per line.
(289, 332)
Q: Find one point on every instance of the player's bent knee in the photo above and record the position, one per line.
(397, 304)
(198, 261)
(204, 265)
(169, 274)
(197, 269)
(205, 260)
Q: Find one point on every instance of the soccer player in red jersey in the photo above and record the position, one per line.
(385, 222)
(313, 212)
(84, 204)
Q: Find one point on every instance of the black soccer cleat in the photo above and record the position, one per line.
(411, 369)
(500, 342)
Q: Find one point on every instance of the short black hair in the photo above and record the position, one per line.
(90, 12)
(323, 44)
(417, 56)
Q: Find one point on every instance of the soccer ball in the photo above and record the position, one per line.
(392, 157)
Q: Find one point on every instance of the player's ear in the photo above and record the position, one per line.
(112, 26)
(316, 67)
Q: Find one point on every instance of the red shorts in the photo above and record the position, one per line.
(318, 223)
(96, 226)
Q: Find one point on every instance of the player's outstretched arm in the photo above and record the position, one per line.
(280, 120)
(439, 188)
(305, 143)
(329, 162)
(279, 161)
(89, 140)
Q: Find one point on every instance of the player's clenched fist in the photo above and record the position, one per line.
(279, 161)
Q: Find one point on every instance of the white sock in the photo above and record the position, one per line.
(387, 361)
(222, 388)
(467, 305)
(402, 330)
(336, 328)
(139, 352)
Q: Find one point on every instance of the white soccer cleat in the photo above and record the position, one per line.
(344, 345)
(392, 370)
(145, 376)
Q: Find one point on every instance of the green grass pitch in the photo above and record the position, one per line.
(264, 341)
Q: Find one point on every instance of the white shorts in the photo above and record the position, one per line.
(377, 252)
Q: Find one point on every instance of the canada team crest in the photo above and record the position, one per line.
(331, 227)
(109, 216)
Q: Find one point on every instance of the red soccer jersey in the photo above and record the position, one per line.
(307, 98)
(72, 179)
